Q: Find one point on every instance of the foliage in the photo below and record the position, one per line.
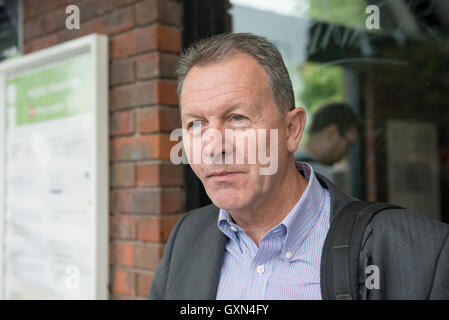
(321, 85)
(350, 13)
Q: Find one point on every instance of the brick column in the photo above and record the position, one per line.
(145, 188)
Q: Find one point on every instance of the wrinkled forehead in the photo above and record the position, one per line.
(238, 78)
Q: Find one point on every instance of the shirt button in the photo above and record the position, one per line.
(260, 269)
(233, 228)
(288, 255)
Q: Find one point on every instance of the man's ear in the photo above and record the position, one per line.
(295, 123)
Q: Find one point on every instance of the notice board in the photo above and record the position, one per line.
(54, 172)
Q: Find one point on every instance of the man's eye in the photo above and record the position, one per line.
(195, 124)
(238, 117)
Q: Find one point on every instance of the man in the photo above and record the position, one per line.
(334, 128)
(263, 236)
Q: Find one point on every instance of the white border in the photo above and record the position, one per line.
(97, 45)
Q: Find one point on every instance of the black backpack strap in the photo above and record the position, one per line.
(341, 250)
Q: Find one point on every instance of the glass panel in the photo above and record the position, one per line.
(9, 28)
(388, 62)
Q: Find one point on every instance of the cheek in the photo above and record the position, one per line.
(271, 140)
(253, 181)
(333, 145)
(192, 148)
(344, 147)
(197, 169)
(340, 151)
(187, 145)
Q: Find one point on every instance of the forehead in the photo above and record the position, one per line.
(238, 79)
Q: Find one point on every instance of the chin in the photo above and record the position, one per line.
(227, 199)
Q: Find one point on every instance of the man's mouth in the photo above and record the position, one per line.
(223, 175)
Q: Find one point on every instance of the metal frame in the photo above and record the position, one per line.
(97, 45)
(201, 18)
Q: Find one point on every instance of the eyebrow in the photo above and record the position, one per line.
(226, 111)
(188, 114)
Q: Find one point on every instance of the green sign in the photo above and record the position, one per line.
(59, 90)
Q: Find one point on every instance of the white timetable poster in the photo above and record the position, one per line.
(50, 182)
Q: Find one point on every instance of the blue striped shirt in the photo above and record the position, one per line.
(286, 265)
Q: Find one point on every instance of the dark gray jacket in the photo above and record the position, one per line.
(410, 250)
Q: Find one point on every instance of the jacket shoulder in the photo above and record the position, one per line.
(187, 256)
(198, 218)
(406, 224)
(195, 230)
(407, 248)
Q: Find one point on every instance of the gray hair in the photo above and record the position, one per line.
(219, 47)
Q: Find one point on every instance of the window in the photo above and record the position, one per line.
(389, 62)
(9, 28)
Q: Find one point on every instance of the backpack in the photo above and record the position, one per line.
(339, 269)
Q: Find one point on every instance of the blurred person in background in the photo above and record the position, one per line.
(334, 129)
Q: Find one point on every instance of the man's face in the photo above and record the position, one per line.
(233, 94)
(340, 144)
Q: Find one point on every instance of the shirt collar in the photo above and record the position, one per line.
(299, 221)
(226, 225)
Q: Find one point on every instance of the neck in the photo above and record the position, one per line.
(271, 209)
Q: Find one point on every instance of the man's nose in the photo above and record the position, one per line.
(215, 144)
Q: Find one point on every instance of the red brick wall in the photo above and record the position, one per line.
(145, 188)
